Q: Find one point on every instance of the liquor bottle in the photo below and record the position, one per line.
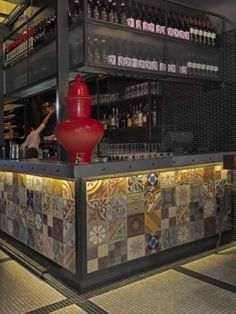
(137, 17)
(170, 24)
(201, 31)
(113, 119)
(111, 59)
(128, 119)
(115, 13)
(140, 116)
(130, 16)
(196, 30)
(145, 116)
(144, 18)
(213, 35)
(110, 13)
(69, 15)
(175, 26)
(182, 27)
(103, 51)
(186, 28)
(103, 11)
(77, 10)
(96, 54)
(150, 20)
(122, 16)
(90, 9)
(95, 10)
(154, 114)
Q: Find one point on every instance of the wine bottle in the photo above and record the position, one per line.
(144, 18)
(191, 29)
(96, 9)
(170, 26)
(196, 30)
(154, 114)
(122, 16)
(200, 25)
(103, 11)
(130, 16)
(110, 13)
(150, 20)
(186, 28)
(176, 26)
(137, 17)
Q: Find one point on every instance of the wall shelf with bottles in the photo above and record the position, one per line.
(13, 122)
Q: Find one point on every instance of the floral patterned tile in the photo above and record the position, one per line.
(118, 187)
(37, 201)
(117, 230)
(97, 235)
(183, 233)
(153, 244)
(136, 247)
(196, 211)
(117, 207)
(195, 192)
(209, 207)
(38, 222)
(58, 207)
(22, 196)
(69, 234)
(47, 185)
(153, 221)
(182, 214)
(209, 226)
(152, 199)
(189, 176)
(57, 188)
(39, 242)
(182, 195)
(38, 184)
(167, 179)
(152, 181)
(220, 187)
(135, 225)
(208, 189)
(97, 210)
(69, 258)
(57, 231)
(68, 189)
(168, 197)
(136, 183)
(117, 252)
(135, 203)
(68, 210)
(47, 204)
(209, 173)
(97, 189)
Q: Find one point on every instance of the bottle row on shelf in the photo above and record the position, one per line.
(104, 51)
(31, 38)
(137, 116)
(151, 19)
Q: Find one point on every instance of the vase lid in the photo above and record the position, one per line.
(78, 88)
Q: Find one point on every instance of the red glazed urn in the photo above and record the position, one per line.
(80, 133)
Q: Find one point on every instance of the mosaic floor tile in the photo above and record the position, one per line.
(57, 231)
(197, 230)
(97, 189)
(135, 225)
(209, 208)
(182, 195)
(136, 247)
(69, 234)
(152, 221)
(196, 211)
(58, 207)
(97, 210)
(168, 197)
(189, 176)
(68, 189)
(209, 226)
(97, 234)
(136, 183)
(69, 210)
(183, 233)
(135, 203)
(195, 193)
(117, 207)
(167, 179)
(152, 243)
(182, 214)
(152, 199)
(117, 230)
(69, 258)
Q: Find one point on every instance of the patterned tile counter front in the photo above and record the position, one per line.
(40, 212)
(133, 216)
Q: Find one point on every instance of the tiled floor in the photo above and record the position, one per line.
(206, 285)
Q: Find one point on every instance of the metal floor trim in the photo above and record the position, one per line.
(206, 279)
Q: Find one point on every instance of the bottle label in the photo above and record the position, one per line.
(181, 34)
(208, 67)
(111, 59)
(147, 65)
(154, 65)
(203, 67)
(163, 30)
(170, 31)
(134, 62)
(205, 34)
(162, 66)
(211, 67)
(127, 61)
(186, 35)
(172, 68)
(209, 35)
(138, 24)
(183, 69)
(192, 30)
(196, 31)
(213, 35)
(121, 61)
(216, 69)
(145, 26)
(130, 22)
(200, 32)
(194, 65)
(158, 29)
(141, 63)
(151, 27)
(198, 66)
(175, 33)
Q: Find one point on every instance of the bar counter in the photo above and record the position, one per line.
(99, 222)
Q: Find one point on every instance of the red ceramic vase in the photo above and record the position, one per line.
(80, 133)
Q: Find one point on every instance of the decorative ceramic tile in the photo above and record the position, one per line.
(29, 218)
(68, 189)
(48, 246)
(38, 221)
(30, 237)
(196, 211)
(152, 243)
(97, 189)
(152, 181)
(168, 197)
(182, 214)
(102, 250)
(208, 189)
(209, 173)
(136, 247)
(69, 210)
(37, 201)
(39, 242)
(103, 262)
(189, 176)
(58, 251)
(117, 230)
(47, 186)
(135, 225)
(117, 207)
(209, 208)
(22, 196)
(118, 186)
(38, 183)
(92, 266)
(209, 226)
(195, 192)
(136, 183)
(165, 239)
(16, 229)
(117, 252)
(168, 179)
(69, 234)
(183, 233)
(22, 215)
(97, 210)
(152, 199)
(135, 203)
(58, 207)
(29, 200)
(172, 237)
(97, 235)
(69, 258)
(197, 230)
(57, 231)
(92, 253)
(182, 195)
(57, 188)
(220, 187)
(23, 233)
(153, 221)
